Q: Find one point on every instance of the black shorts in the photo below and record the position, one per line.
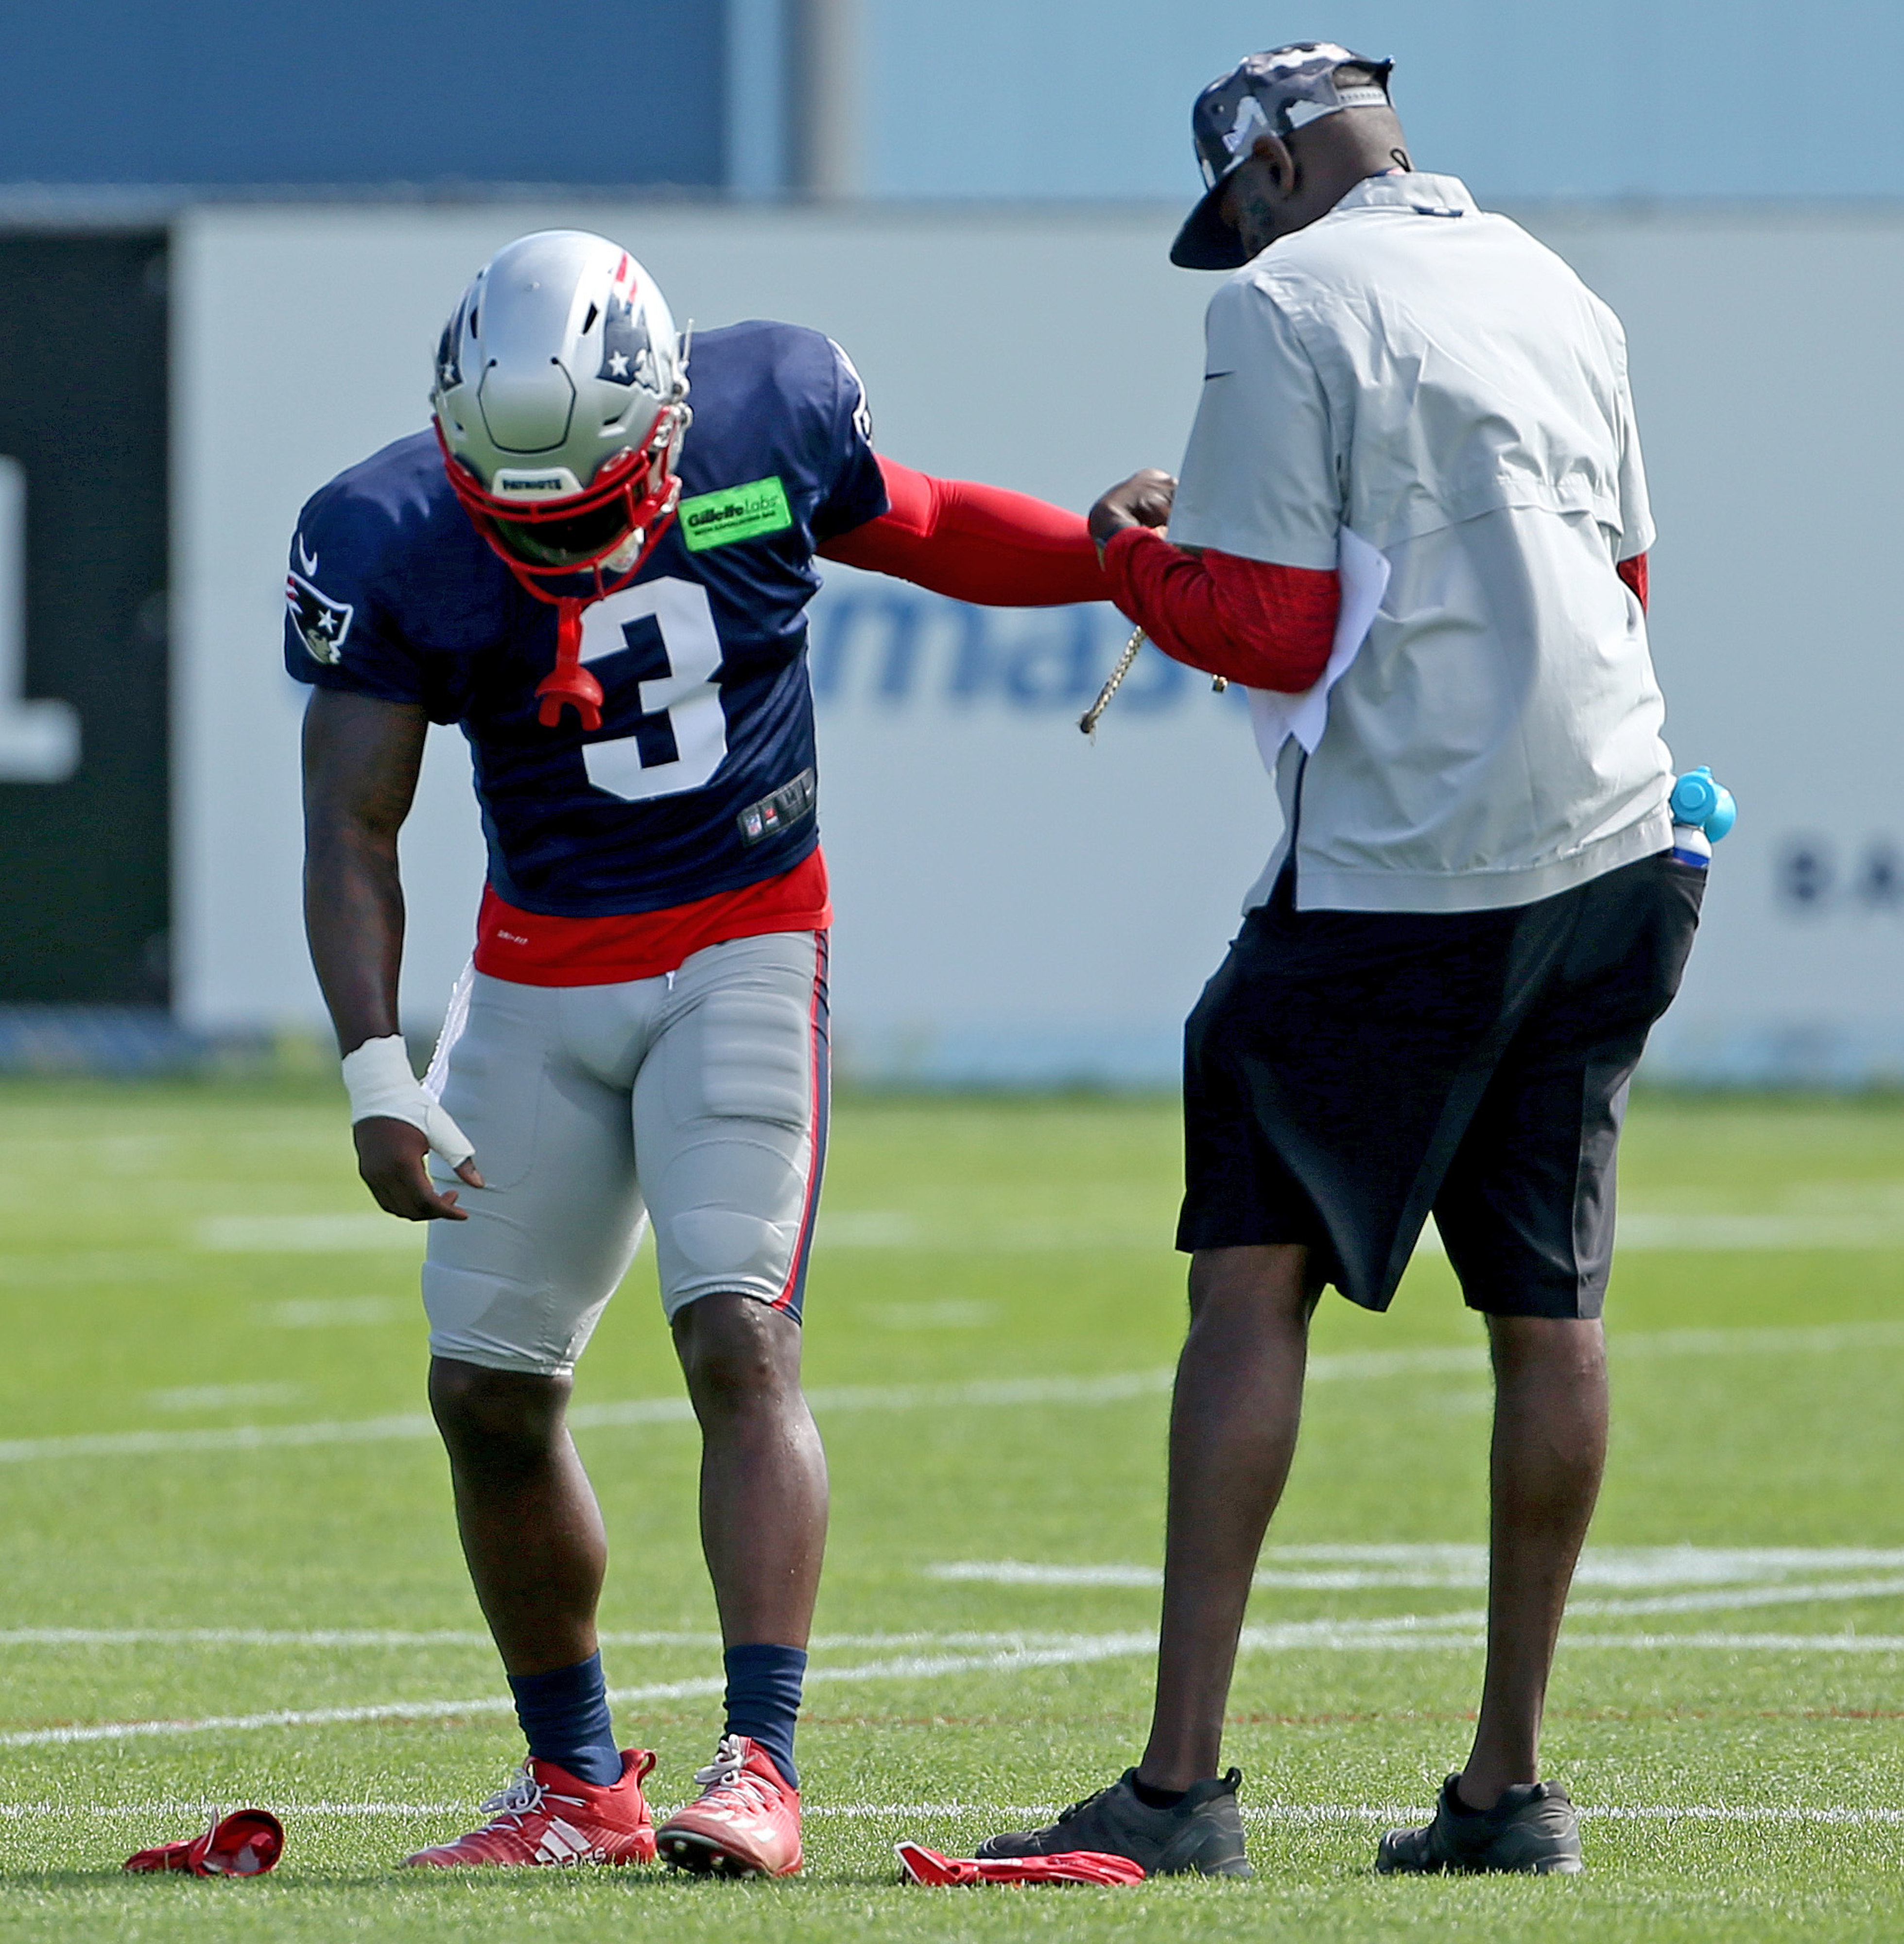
(1345, 1072)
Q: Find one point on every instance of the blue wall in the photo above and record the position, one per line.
(234, 92)
(1743, 98)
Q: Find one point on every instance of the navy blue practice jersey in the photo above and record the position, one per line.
(701, 778)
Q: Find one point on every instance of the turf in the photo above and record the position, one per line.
(195, 1299)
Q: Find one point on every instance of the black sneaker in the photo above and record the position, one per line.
(1532, 1829)
(1202, 1835)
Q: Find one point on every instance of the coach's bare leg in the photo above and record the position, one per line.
(532, 1529)
(762, 1473)
(1234, 1417)
(1549, 1449)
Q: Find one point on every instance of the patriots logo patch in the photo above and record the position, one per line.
(321, 623)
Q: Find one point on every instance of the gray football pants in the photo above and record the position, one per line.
(699, 1097)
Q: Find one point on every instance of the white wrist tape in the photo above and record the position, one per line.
(383, 1087)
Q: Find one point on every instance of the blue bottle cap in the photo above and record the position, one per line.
(1695, 796)
(1707, 806)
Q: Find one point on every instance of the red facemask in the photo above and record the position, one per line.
(643, 480)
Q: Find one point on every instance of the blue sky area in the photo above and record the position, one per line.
(1596, 99)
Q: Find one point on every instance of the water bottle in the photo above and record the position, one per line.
(1702, 812)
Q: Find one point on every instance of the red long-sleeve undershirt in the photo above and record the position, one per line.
(974, 543)
(1251, 621)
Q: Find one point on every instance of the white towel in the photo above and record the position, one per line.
(1364, 572)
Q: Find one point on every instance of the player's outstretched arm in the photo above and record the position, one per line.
(974, 543)
(361, 759)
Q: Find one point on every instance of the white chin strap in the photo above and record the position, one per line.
(383, 1087)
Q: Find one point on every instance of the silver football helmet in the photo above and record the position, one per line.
(560, 400)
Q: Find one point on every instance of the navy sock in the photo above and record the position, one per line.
(764, 1699)
(565, 1715)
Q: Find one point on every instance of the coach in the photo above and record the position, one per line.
(1446, 973)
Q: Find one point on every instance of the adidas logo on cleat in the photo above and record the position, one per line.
(547, 1817)
(562, 1843)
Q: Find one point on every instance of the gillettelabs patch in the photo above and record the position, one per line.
(734, 513)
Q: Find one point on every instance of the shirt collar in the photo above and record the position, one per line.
(1426, 194)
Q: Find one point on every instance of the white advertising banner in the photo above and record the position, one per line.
(1015, 904)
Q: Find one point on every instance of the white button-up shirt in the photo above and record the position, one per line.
(1429, 376)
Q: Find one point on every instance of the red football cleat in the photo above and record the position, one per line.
(1065, 1866)
(245, 1844)
(745, 1823)
(547, 1816)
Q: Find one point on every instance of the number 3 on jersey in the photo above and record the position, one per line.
(684, 729)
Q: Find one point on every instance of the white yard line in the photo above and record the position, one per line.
(1031, 1572)
(1628, 1567)
(1633, 1565)
(285, 1718)
(1392, 1814)
(1725, 1234)
(21, 1812)
(1013, 1573)
(1117, 1388)
(1025, 1813)
(230, 1438)
(371, 1637)
(1701, 1812)
(1079, 1649)
(263, 1637)
(1401, 1632)
(1825, 1338)
(294, 1637)
(1357, 1366)
(1715, 1600)
(954, 1650)
(1366, 1366)
(1754, 1643)
(361, 1230)
(1720, 1599)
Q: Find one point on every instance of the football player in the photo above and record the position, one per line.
(605, 588)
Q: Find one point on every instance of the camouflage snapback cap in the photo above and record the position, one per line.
(1274, 92)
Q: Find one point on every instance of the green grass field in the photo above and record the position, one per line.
(225, 1541)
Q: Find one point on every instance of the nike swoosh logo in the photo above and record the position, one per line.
(307, 561)
(1208, 375)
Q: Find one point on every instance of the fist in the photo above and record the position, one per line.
(1143, 500)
